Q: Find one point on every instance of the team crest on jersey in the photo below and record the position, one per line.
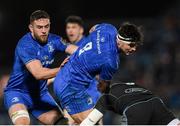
(15, 99)
(90, 101)
(50, 47)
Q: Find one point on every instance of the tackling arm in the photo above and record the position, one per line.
(39, 72)
(71, 49)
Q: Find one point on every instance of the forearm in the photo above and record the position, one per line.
(46, 73)
(39, 72)
(103, 86)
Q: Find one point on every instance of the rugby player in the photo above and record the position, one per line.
(27, 90)
(137, 105)
(99, 54)
(75, 35)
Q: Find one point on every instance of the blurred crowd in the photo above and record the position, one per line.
(156, 65)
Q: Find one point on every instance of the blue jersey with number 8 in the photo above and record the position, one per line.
(97, 55)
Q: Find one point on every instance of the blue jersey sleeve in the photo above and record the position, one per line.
(107, 72)
(59, 44)
(26, 52)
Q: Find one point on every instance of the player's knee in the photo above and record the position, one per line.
(20, 117)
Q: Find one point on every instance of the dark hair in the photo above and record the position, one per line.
(38, 14)
(75, 19)
(131, 31)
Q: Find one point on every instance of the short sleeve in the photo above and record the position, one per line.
(27, 52)
(107, 72)
(59, 44)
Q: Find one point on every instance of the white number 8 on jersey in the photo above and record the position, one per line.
(87, 47)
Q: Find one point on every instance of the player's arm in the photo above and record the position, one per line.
(51, 80)
(103, 86)
(105, 77)
(61, 45)
(71, 49)
(39, 72)
(27, 52)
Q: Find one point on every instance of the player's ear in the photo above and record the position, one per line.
(82, 30)
(30, 27)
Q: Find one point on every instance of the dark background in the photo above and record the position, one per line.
(14, 16)
(156, 65)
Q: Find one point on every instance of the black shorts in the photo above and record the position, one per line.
(147, 112)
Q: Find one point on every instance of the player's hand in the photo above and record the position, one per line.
(103, 86)
(64, 62)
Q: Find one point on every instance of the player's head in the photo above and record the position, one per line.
(129, 38)
(74, 28)
(40, 25)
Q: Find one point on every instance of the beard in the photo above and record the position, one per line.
(42, 38)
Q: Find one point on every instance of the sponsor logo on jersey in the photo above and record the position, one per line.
(98, 42)
(48, 62)
(90, 101)
(15, 99)
(131, 90)
(50, 48)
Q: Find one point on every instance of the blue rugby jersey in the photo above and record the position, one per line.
(29, 49)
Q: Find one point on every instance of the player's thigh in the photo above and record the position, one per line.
(46, 109)
(14, 102)
(138, 113)
(93, 91)
(79, 117)
(78, 106)
(161, 114)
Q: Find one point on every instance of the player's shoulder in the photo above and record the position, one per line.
(111, 64)
(52, 36)
(55, 38)
(26, 40)
(106, 27)
(113, 60)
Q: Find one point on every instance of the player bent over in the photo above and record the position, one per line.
(137, 105)
(98, 55)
